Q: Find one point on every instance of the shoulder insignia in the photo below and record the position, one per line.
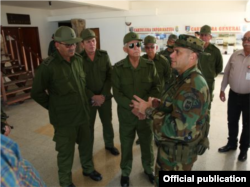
(48, 60)
(119, 63)
(103, 51)
(150, 62)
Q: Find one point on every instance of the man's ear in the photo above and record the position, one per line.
(125, 49)
(57, 45)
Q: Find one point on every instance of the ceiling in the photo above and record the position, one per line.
(45, 4)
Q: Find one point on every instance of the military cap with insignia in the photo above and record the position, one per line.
(130, 37)
(67, 35)
(149, 40)
(206, 29)
(87, 34)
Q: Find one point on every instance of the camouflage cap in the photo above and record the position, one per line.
(130, 37)
(87, 34)
(190, 42)
(67, 35)
(205, 29)
(172, 37)
(149, 40)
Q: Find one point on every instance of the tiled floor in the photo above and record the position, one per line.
(33, 133)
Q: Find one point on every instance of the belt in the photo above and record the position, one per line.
(247, 94)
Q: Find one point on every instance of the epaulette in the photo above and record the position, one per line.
(48, 60)
(103, 51)
(119, 63)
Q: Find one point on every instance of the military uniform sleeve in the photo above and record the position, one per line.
(121, 100)
(40, 85)
(219, 62)
(107, 84)
(156, 87)
(188, 106)
(167, 71)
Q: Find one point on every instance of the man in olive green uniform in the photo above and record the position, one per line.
(59, 86)
(180, 117)
(170, 47)
(134, 75)
(167, 52)
(210, 65)
(98, 68)
(161, 63)
(52, 47)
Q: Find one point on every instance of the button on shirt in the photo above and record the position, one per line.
(235, 73)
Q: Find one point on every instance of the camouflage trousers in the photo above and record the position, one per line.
(166, 162)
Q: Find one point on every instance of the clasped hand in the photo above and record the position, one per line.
(98, 100)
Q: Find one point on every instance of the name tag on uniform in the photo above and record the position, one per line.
(248, 76)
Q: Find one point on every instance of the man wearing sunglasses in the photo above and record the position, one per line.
(59, 86)
(237, 75)
(180, 117)
(170, 47)
(98, 68)
(134, 75)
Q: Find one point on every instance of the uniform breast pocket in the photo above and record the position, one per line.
(63, 86)
(147, 83)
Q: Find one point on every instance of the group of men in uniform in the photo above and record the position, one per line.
(73, 87)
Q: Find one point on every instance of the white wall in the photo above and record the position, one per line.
(38, 19)
(159, 14)
(142, 14)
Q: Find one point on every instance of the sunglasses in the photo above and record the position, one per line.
(67, 45)
(150, 47)
(246, 39)
(132, 45)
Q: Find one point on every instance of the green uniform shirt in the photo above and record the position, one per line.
(163, 69)
(128, 81)
(98, 74)
(211, 65)
(166, 54)
(59, 86)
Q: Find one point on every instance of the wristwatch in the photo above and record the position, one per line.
(149, 112)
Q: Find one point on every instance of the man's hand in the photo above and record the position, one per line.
(142, 105)
(222, 96)
(98, 100)
(7, 130)
(136, 112)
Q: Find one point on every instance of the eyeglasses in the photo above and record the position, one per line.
(150, 47)
(132, 45)
(246, 39)
(67, 45)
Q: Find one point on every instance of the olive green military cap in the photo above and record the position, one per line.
(67, 35)
(149, 40)
(205, 29)
(172, 37)
(190, 42)
(130, 37)
(87, 34)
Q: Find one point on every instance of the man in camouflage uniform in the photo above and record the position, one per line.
(210, 65)
(59, 86)
(98, 68)
(180, 117)
(134, 75)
